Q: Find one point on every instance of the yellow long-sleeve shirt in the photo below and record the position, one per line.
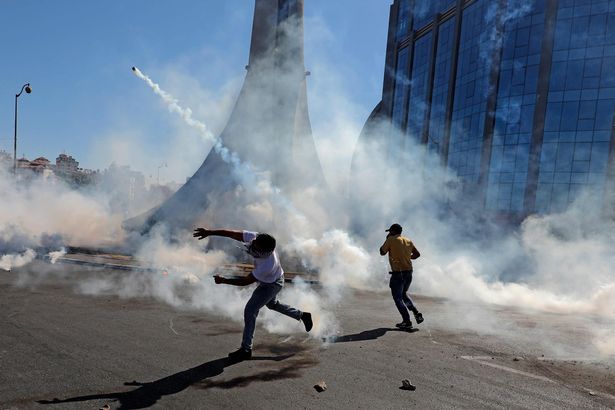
(400, 250)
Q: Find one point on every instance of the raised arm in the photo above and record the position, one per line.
(203, 233)
(385, 247)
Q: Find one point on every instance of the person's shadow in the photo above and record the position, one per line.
(147, 394)
(369, 334)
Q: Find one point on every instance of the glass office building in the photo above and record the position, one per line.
(515, 96)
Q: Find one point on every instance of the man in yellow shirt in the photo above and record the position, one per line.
(401, 251)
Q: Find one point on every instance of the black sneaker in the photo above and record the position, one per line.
(306, 318)
(419, 318)
(404, 325)
(240, 355)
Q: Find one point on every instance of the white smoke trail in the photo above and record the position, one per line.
(248, 176)
(185, 113)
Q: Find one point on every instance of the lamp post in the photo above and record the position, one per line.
(28, 91)
(158, 175)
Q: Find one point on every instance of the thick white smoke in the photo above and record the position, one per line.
(36, 213)
(561, 263)
(55, 255)
(558, 263)
(453, 266)
(10, 261)
(339, 261)
(184, 279)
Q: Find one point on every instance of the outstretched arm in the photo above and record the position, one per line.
(242, 281)
(203, 233)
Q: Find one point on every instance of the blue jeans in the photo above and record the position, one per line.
(399, 284)
(264, 295)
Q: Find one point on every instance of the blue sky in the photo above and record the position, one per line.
(77, 56)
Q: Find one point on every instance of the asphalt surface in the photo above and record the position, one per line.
(60, 349)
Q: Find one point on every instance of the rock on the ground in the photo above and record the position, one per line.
(406, 385)
(320, 386)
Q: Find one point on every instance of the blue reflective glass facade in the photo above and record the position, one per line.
(399, 98)
(581, 100)
(517, 97)
(424, 11)
(440, 85)
(418, 87)
(403, 20)
(471, 92)
(514, 115)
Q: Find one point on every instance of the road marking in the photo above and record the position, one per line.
(566, 359)
(483, 360)
(171, 327)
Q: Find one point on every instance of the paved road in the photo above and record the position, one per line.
(59, 349)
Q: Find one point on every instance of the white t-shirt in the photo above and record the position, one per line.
(268, 269)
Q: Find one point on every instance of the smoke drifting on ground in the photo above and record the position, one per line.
(36, 214)
(561, 263)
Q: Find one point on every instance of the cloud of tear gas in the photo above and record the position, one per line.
(556, 263)
(605, 342)
(183, 278)
(10, 261)
(338, 260)
(37, 212)
(55, 255)
(262, 206)
(560, 263)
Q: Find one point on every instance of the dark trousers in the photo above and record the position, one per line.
(265, 294)
(399, 284)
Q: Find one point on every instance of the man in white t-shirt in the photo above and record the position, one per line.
(270, 277)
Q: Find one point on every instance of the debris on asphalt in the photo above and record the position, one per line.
(517, 359)
(320, 386)
(406, 385)
(105, 407)
(591, 393)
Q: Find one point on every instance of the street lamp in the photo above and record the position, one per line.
(158, 175)
(28, 91)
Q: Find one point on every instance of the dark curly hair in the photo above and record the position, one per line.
(264, 242)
